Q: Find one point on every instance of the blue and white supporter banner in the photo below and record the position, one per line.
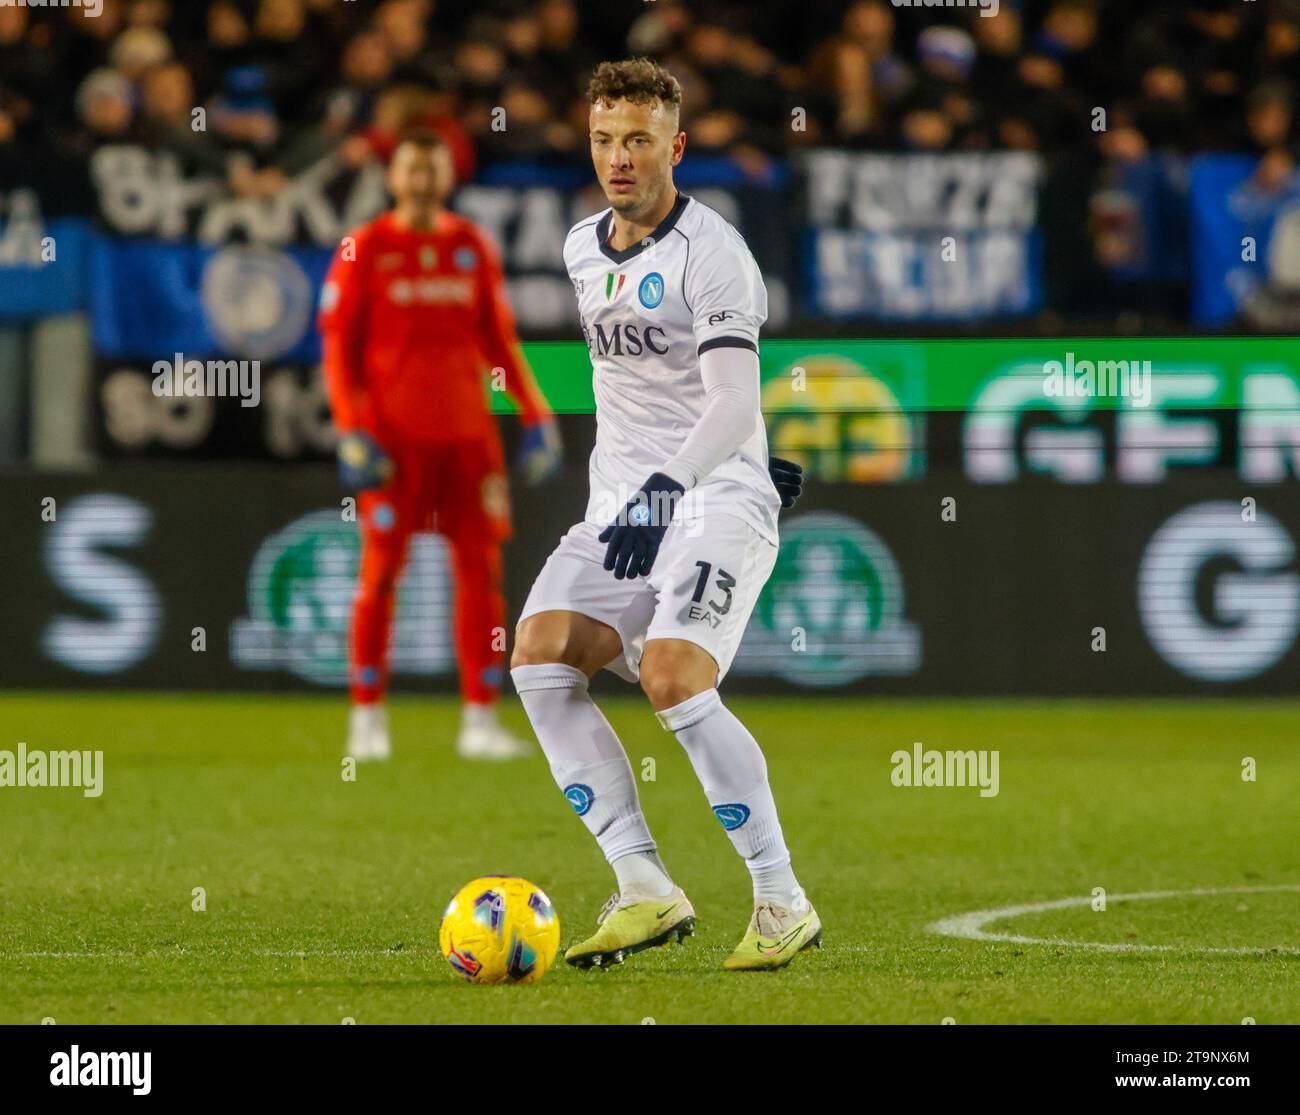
(45, 228)
(1245, 246)
(154, 298)
(921, 237)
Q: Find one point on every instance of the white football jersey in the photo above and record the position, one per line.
(647, 313)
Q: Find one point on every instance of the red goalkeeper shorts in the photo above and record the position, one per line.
(458, 489)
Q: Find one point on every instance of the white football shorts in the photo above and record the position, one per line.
(703, 587)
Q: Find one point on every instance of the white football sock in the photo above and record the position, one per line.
(478, 716)
(642, 873)
(733, 772)
(591, 768)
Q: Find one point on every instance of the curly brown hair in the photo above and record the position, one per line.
(639, 80)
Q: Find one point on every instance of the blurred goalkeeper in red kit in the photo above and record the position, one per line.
(414, 317)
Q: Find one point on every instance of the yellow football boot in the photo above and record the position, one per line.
(776, 934)
(630, 923)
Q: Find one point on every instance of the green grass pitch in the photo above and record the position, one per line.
(323, 896)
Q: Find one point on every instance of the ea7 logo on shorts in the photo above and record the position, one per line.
(703, 615)
(581, 797)
(732, 816)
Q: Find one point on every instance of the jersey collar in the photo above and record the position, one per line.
(664, 228)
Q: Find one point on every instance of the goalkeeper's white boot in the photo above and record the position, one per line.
(368, 733)
(481, 737)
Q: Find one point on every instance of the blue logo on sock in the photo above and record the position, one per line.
(384, 517)
(582, 798)
(732, 816)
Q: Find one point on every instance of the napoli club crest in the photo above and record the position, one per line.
(651, 291)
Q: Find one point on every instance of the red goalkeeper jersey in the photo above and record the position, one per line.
(412, 322)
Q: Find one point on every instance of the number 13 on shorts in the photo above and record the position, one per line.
(710, 585)
(711, 611)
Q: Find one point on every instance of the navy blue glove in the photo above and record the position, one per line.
(362, 463)
(635, 535)
(541, 452)
(787, 477)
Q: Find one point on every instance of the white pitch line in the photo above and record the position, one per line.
(970, 926)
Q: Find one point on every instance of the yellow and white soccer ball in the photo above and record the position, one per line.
(500, 929)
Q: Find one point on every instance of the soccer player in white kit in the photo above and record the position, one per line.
(658, 581)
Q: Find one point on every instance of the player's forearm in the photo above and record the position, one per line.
(346, 394)
(731, 381)
(503, 350)
(521, 385)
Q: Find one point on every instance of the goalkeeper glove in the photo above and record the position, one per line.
(362, 463)
(541, 453)
(635, 535)
(787, 477)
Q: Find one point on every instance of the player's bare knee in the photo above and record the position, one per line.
(534, 651)
(673, 671)
(541, 644)
(658, 687)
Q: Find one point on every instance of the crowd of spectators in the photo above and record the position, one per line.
(282, 82)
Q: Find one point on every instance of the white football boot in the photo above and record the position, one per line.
(368, 733)
(481, 737)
